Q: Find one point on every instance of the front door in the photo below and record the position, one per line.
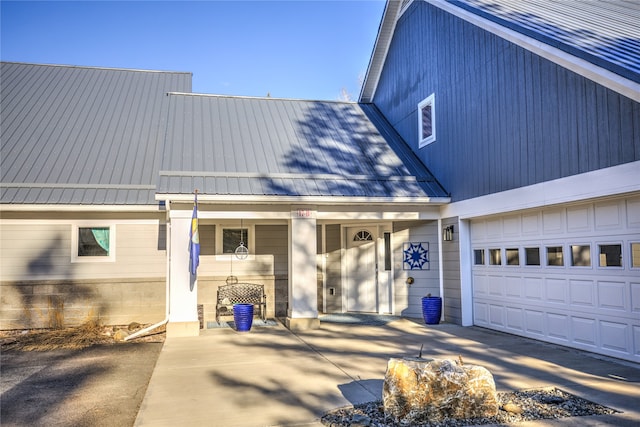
(361, 269)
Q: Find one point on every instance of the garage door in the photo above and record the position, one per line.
(568, 275)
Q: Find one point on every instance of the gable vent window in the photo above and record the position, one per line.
(427, 119)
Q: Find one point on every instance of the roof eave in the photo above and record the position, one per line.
(311, 200)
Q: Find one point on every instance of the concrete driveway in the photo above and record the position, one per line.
(273, 377)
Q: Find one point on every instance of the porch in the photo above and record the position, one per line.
(309, 260)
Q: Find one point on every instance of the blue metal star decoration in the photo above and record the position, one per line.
(416, 256)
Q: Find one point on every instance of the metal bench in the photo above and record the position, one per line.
(240, 293)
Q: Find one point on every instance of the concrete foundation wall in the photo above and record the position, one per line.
(62, 303)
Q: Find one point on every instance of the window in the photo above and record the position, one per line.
(387, 251)
(610, 255)
(495, 257)
(93, 243)
(581, 255)
(231, 238)
(554, 256)
(427, 121)
(513, 256)
(362, 236)
(635, 255)
(532, 256)
(478, 256)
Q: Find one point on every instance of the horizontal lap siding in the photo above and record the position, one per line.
(43, 251)
(41, 286)
(505, 117)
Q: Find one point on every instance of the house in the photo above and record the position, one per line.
(100, 167)
(493, 159)
(528, 114)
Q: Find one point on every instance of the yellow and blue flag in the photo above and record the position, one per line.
(194, 240)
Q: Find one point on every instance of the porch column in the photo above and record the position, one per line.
(302, 312)
(183, 295)
(466, 276)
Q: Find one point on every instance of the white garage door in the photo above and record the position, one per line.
(568, 275)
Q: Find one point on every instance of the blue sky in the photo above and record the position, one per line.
(290, 49)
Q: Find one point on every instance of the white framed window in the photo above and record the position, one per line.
(427, 120)
(228, 238)
(93, 243)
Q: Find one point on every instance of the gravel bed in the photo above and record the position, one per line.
(514, 407)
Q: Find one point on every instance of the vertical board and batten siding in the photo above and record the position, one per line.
(408, 298)
(41, 286)
(505, 117)
(452, 299)
(267, 265)
(333, 247)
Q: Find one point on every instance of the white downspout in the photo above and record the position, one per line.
(441, 266)
(166, 318)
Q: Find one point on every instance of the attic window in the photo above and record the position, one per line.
(427, 120)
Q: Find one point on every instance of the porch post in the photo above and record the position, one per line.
(302, 312)
(183, 295)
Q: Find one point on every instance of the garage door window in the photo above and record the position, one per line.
(610, 255)
(554, 256)
(513, 256)
(532, 256)
(478, 256)
(635, 255)
(495, 257)
(581, 255)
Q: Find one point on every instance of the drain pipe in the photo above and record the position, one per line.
(168, 271)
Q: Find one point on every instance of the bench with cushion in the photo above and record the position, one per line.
(240, 293)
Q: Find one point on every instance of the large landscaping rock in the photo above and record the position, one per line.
(419, 389)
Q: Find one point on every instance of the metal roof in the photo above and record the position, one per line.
(224, 145)
(604, 33)
(82, 135)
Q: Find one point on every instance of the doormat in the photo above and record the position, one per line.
(357, 319)
(231, 324)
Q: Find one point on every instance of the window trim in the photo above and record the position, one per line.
(75, 229)
(251, 243)
(632, 266)
(599, 254)
(428, 101)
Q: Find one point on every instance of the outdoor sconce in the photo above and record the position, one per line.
(447, 233)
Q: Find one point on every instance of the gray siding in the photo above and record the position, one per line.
(452, 305)
(334, 268)
(273, 240)
(408, 298)
(505, 118)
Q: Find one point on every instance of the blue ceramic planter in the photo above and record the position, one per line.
(431, 310)
(243, 317)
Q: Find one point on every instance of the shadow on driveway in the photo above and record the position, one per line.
(102, 385)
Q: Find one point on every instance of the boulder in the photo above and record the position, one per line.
(419, 389)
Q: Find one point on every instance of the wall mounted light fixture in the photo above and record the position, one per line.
(447, 233)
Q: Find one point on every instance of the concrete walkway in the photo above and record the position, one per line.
(273, 377)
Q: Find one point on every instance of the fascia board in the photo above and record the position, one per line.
(277, 200)
(608, 182)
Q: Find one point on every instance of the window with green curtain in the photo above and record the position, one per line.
(93, 241)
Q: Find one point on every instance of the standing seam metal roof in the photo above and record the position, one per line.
(82, 135)
(284, 147)
(603, 32)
